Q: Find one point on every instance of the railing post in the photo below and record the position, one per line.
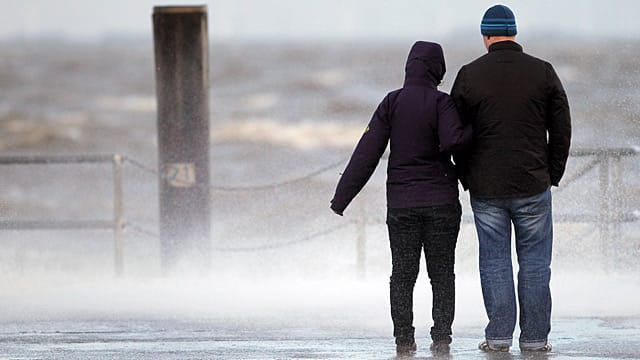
(618, 206)
(361, 241)
(118, 219)
(604, 216)
(182, 88)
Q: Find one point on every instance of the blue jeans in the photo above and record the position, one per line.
(532, 221)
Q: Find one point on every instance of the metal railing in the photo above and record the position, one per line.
(116, 224)
(611, 213)
(609, 219)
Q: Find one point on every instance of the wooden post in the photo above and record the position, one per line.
(182, 89)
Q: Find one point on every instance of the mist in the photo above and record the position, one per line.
(285, 114)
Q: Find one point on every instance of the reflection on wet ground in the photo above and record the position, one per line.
(573, 338)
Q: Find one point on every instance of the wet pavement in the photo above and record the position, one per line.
(573, 338)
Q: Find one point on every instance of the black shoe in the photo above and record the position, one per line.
(484, 346)
(407, 349)
(440, 347)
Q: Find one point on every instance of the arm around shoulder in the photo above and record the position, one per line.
(459, 95)
(454, 136)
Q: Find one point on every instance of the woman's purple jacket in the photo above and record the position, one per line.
(424, 128)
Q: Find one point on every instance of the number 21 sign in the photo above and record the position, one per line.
(182, 175)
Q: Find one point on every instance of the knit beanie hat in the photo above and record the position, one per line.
(498, 21)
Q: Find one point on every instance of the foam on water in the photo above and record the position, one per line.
(306, 135)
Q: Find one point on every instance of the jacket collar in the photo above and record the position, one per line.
(429, 82)
(505, 45)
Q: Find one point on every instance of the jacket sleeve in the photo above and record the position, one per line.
(365, 158)
(558, 125)
(459, 96)
(453, 135)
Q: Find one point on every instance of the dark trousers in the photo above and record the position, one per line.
(433, 230)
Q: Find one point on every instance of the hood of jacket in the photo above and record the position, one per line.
(425, 64)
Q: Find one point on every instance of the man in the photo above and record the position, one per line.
(423, 212)
(521, 135)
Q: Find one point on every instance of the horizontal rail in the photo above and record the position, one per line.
(55, 159)
(608, 152)
(56, 225)
(582, 218)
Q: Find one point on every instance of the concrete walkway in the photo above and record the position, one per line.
(573, 338)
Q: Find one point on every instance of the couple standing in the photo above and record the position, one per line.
(507, 126)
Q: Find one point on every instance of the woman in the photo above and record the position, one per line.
(423, 211)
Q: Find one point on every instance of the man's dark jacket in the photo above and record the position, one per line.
(423, 127)
(521, 123)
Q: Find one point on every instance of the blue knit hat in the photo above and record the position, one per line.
(498, 21)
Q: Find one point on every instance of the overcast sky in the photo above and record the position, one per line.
(287, 19)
